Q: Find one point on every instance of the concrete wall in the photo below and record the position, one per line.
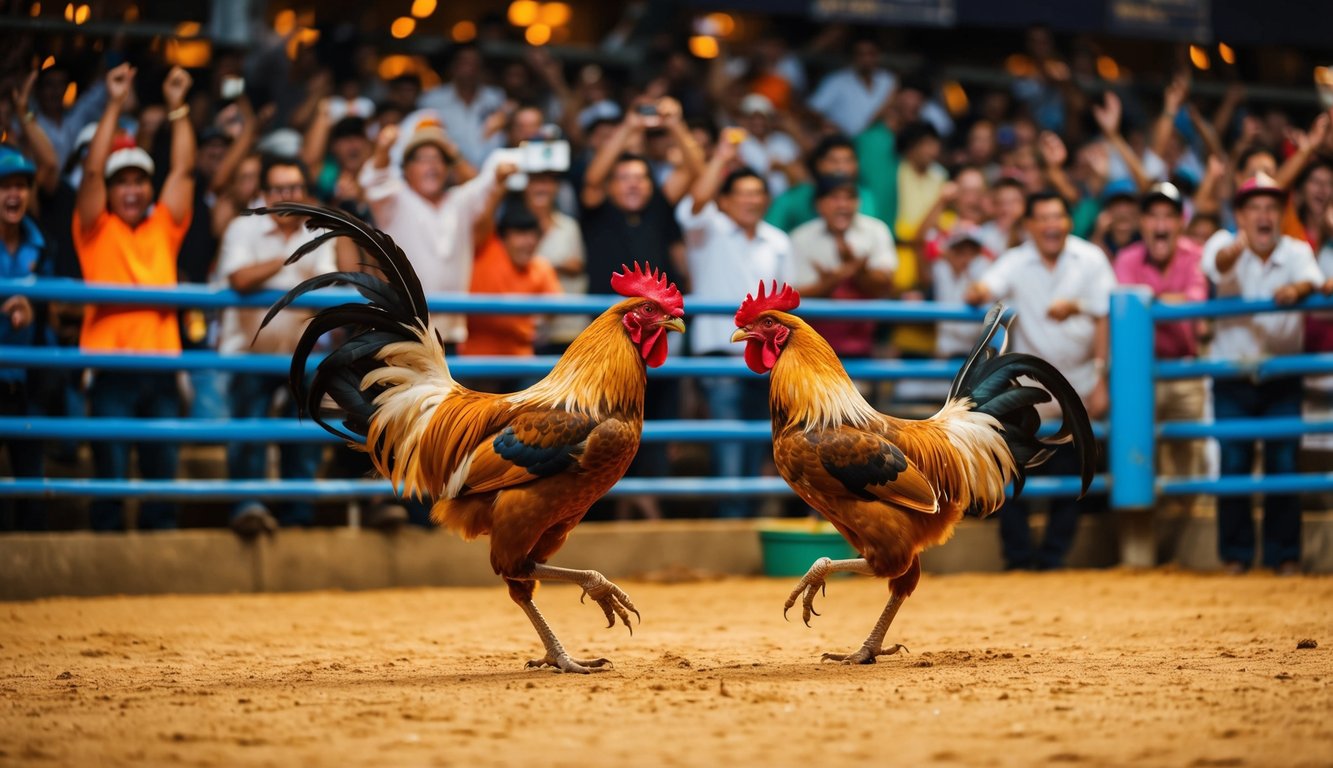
(215, 561)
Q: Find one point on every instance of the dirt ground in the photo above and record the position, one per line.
(1087, 668)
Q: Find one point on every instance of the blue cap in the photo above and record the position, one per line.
(15, 163)
(1120, 189)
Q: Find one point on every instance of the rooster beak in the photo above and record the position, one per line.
(740, 335)
(674, 324)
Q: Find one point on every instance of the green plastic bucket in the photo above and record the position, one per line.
(791, 551)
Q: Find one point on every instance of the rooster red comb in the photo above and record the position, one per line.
(783, 300)
(649, 285)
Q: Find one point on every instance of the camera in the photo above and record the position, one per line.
(232, 88)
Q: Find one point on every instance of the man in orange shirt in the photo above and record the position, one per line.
(122, 237)
(507, 264)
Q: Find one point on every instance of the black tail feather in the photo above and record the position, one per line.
(393, 308)
(989, 378)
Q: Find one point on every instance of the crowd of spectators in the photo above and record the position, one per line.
(852, 182)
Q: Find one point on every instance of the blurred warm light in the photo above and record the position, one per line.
(703, 46)
(463, 31)
(1323, 76)
(188, 29)
(48, 62)
(722, 22)
(1107, 68)
(1199, 57)
(71, 94)
(81, 14)
(403, 26)
(955, 98)
(1019, 65)
(188, 53)
(394, 66)
(69, 12)
(538, 34)
(554, 14)
(1225, 53)
(35, 10)
(284, 22)
(423, 8)
(132, 13)
(523, 13)
(308, 36)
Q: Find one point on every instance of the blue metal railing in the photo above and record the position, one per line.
(1132, 441)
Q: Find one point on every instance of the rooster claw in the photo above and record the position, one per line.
(563, 663)
(613, 600)
(812, 583)
(864, 655)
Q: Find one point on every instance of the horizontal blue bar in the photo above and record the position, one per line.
(199, 490)
(1267, 368)
(461, 367)
(209, 297)
(1242, 429)
(1244, 485)
(294, 431)
(1233, 306)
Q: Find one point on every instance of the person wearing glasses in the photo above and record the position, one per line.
(252, 258)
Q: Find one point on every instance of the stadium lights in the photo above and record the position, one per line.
(554, 14)
(35, 10)
(463, 31)
(523, 13)
(1226, 53)
(704, 46)
(1199, 57)
(538, 34)
(402, 27)
(423, 8)
(48, 62)
(1107, 68)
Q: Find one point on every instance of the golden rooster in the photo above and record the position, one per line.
(522, 467)
(893, 487)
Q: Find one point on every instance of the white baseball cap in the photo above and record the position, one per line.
(129, 157)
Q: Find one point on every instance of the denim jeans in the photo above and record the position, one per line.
(134, 394)
(732, 398)
(1239, 398)
(25, 460)
(251, 398)
(1061, 521)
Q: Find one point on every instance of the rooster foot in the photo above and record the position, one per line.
(613, 600)
(811, 583)
(563, 663)
(865, 655)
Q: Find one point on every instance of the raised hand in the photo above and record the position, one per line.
(1108, 115)
(119, 81)
(1173, 98)
(1053, 150)
(176, 86)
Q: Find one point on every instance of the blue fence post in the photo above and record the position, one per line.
(1132, 439)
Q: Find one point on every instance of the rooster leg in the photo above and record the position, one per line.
(812, 583)
(900, 588)
(556, 656)
(612, 599)
(873, 645)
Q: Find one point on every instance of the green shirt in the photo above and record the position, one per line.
(796, 206)
(877, 153)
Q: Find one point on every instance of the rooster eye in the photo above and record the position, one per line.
(768, 322)
(649, 308)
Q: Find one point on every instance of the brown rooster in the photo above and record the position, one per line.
(522, 467)
(894, 487)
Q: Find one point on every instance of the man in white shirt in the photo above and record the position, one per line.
(1060, 286)
(851, 97)
(730, 248)
(770, 152)
(1259, 262)
(844, 254)
(464, 103)
(427, 216)
(253, 257)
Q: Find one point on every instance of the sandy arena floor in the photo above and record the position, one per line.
(1087, 668)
